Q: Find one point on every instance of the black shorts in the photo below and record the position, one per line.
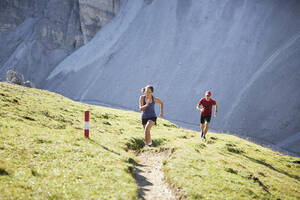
(144, 121)
(205, 118)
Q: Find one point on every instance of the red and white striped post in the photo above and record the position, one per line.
(86, 123)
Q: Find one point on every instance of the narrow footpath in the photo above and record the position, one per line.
(150, 177)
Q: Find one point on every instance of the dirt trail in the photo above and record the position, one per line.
(150, 177)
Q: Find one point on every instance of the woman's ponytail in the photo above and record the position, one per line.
(143, 90)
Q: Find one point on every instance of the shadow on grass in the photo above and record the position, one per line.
(104, 147)
(213, 138)
(230, 170)
(256, 179)
(157, 142)
(3, 172)
(170, 125)
(235, 150)
(137, 143)
(273, 168)
(200, 146)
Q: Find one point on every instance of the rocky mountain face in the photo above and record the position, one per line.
(245, 52)
(94, 14)
(36, 35)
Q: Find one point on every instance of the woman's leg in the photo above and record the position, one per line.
(148, 126)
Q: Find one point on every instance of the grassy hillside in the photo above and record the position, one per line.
(43, 154)
(226, 167)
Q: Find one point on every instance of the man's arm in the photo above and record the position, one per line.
(198, 106)
(216, 110)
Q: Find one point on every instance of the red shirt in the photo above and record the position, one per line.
(207, 105)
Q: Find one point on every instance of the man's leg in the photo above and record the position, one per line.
(202, 129)
(207, 120)
(148, 126)
(202, 121)
(206, 128)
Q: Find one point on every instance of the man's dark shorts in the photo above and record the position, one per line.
(205, 118)
(144, 121)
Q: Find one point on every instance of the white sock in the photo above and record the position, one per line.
(150, 143)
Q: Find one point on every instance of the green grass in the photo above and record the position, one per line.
(227, 167)
(43, 154)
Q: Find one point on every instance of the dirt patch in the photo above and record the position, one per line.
(150, 177)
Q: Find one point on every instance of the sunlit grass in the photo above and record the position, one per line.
(44, 155)
(226, 167)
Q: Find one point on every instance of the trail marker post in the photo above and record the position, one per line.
(86, 124)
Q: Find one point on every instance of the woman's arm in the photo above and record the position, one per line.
(142, 106)
(157, 100)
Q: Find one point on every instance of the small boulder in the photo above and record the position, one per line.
(18, 78)
(14, 77)
(28, 84)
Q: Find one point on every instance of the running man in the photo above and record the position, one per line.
(147, 103)
(207, 103)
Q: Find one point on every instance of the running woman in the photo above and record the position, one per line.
(207, 103)
(147, 103)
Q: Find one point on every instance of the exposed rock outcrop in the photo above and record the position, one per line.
(14, 77)
(94, 14)
(36, 35)
(18, 78)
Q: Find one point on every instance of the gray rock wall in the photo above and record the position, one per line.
(35, 35)
(245, 52)
(94, 14)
